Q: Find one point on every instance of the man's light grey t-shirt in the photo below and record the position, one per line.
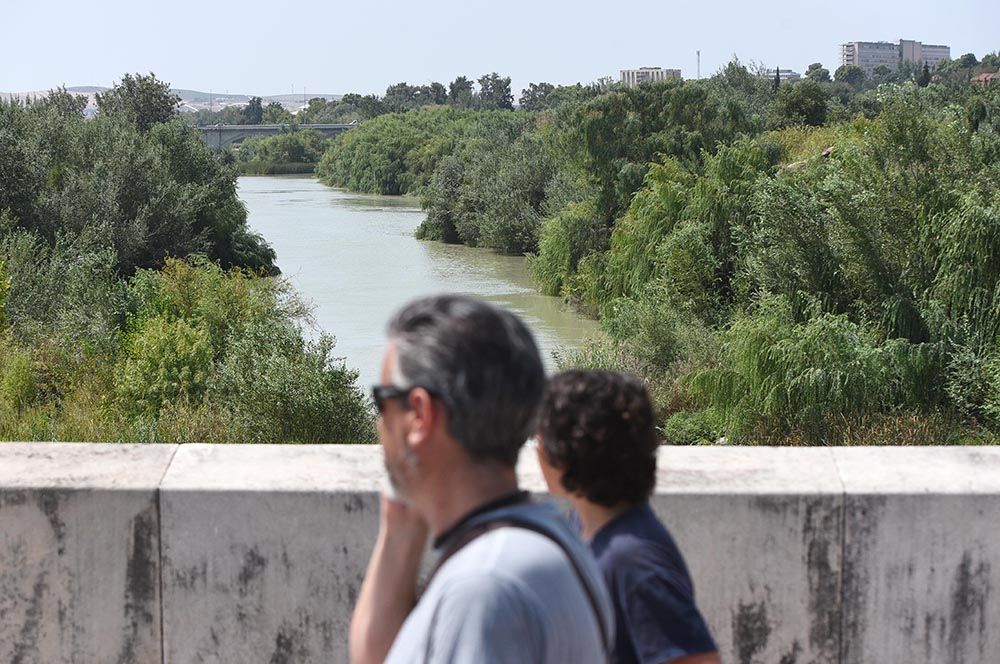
(510, 595)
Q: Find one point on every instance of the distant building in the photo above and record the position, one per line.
(634, 77)
(869, 55)
(786, 75)
(932, 54)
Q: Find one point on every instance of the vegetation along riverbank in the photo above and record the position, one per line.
(136, 304)
(786, 263)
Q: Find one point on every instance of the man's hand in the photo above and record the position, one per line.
(401, 524)
(389, 590)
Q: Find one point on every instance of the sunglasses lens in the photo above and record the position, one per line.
(382, 393)
(379, 401)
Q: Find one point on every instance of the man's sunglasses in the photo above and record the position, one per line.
(382, 393)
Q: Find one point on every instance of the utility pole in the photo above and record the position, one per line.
(699, 63)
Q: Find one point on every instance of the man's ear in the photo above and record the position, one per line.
(423, 417)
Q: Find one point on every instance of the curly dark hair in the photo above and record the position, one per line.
(597, 428)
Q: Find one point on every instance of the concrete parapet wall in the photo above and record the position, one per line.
(200, 553)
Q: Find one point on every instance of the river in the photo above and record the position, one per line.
(354, 258)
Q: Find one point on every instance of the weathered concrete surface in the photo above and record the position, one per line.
(799, 556)
(761, 530)
(922, 555)
(79, 552)
(264, 549)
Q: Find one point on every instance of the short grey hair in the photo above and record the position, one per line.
(481, 362)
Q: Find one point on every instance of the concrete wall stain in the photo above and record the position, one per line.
(751, 631)
(253, 567)
(26, 646)
(354, 503)
(141, 582)
(969, 598)
(49, 502)
(192, 577)
(793, 656)
(862, 514)
(289, 645)
(822, 527)
(771, 504)
(12, 498)
(286, 564)
(933, 622)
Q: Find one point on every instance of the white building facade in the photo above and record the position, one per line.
(633, 77)
(869, 55)
(785, 75)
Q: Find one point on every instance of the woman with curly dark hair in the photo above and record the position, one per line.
(597, 448)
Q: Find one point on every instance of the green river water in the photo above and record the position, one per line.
(354, 257)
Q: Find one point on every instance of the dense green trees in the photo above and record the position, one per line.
(393, 153)
(143, 100)
(817, 72)
(135, 304)
(803, 103)
(852, 75)
(489, 192)
(253, 112)
(292, 151)
(460, 92)
(535, 96)
(275, 113)
(144, 191)
(814, 264)
(851, 296)
(494, 92)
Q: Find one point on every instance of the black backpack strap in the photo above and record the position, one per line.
(471, 533)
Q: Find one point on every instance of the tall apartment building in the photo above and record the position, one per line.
(634, 77)
(869, 55)
(932, 54)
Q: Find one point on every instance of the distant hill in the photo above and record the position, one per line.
(298, 98)
(86, 89)
(206, 97)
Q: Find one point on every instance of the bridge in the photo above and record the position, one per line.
(222, 135)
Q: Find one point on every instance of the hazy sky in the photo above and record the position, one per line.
(364, 45)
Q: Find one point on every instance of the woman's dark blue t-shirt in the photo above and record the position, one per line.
(656, 619)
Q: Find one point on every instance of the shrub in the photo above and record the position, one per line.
(164, 361)
(280, 389)
(692, 428)
(797, 376)
(565, 239)
(18, 387)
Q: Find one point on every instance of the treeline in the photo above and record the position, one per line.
(295, 151)
(135, 304)
(809, 262)
(488, 92)
(292, 151)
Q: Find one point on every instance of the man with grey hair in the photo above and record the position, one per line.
(460, 386)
